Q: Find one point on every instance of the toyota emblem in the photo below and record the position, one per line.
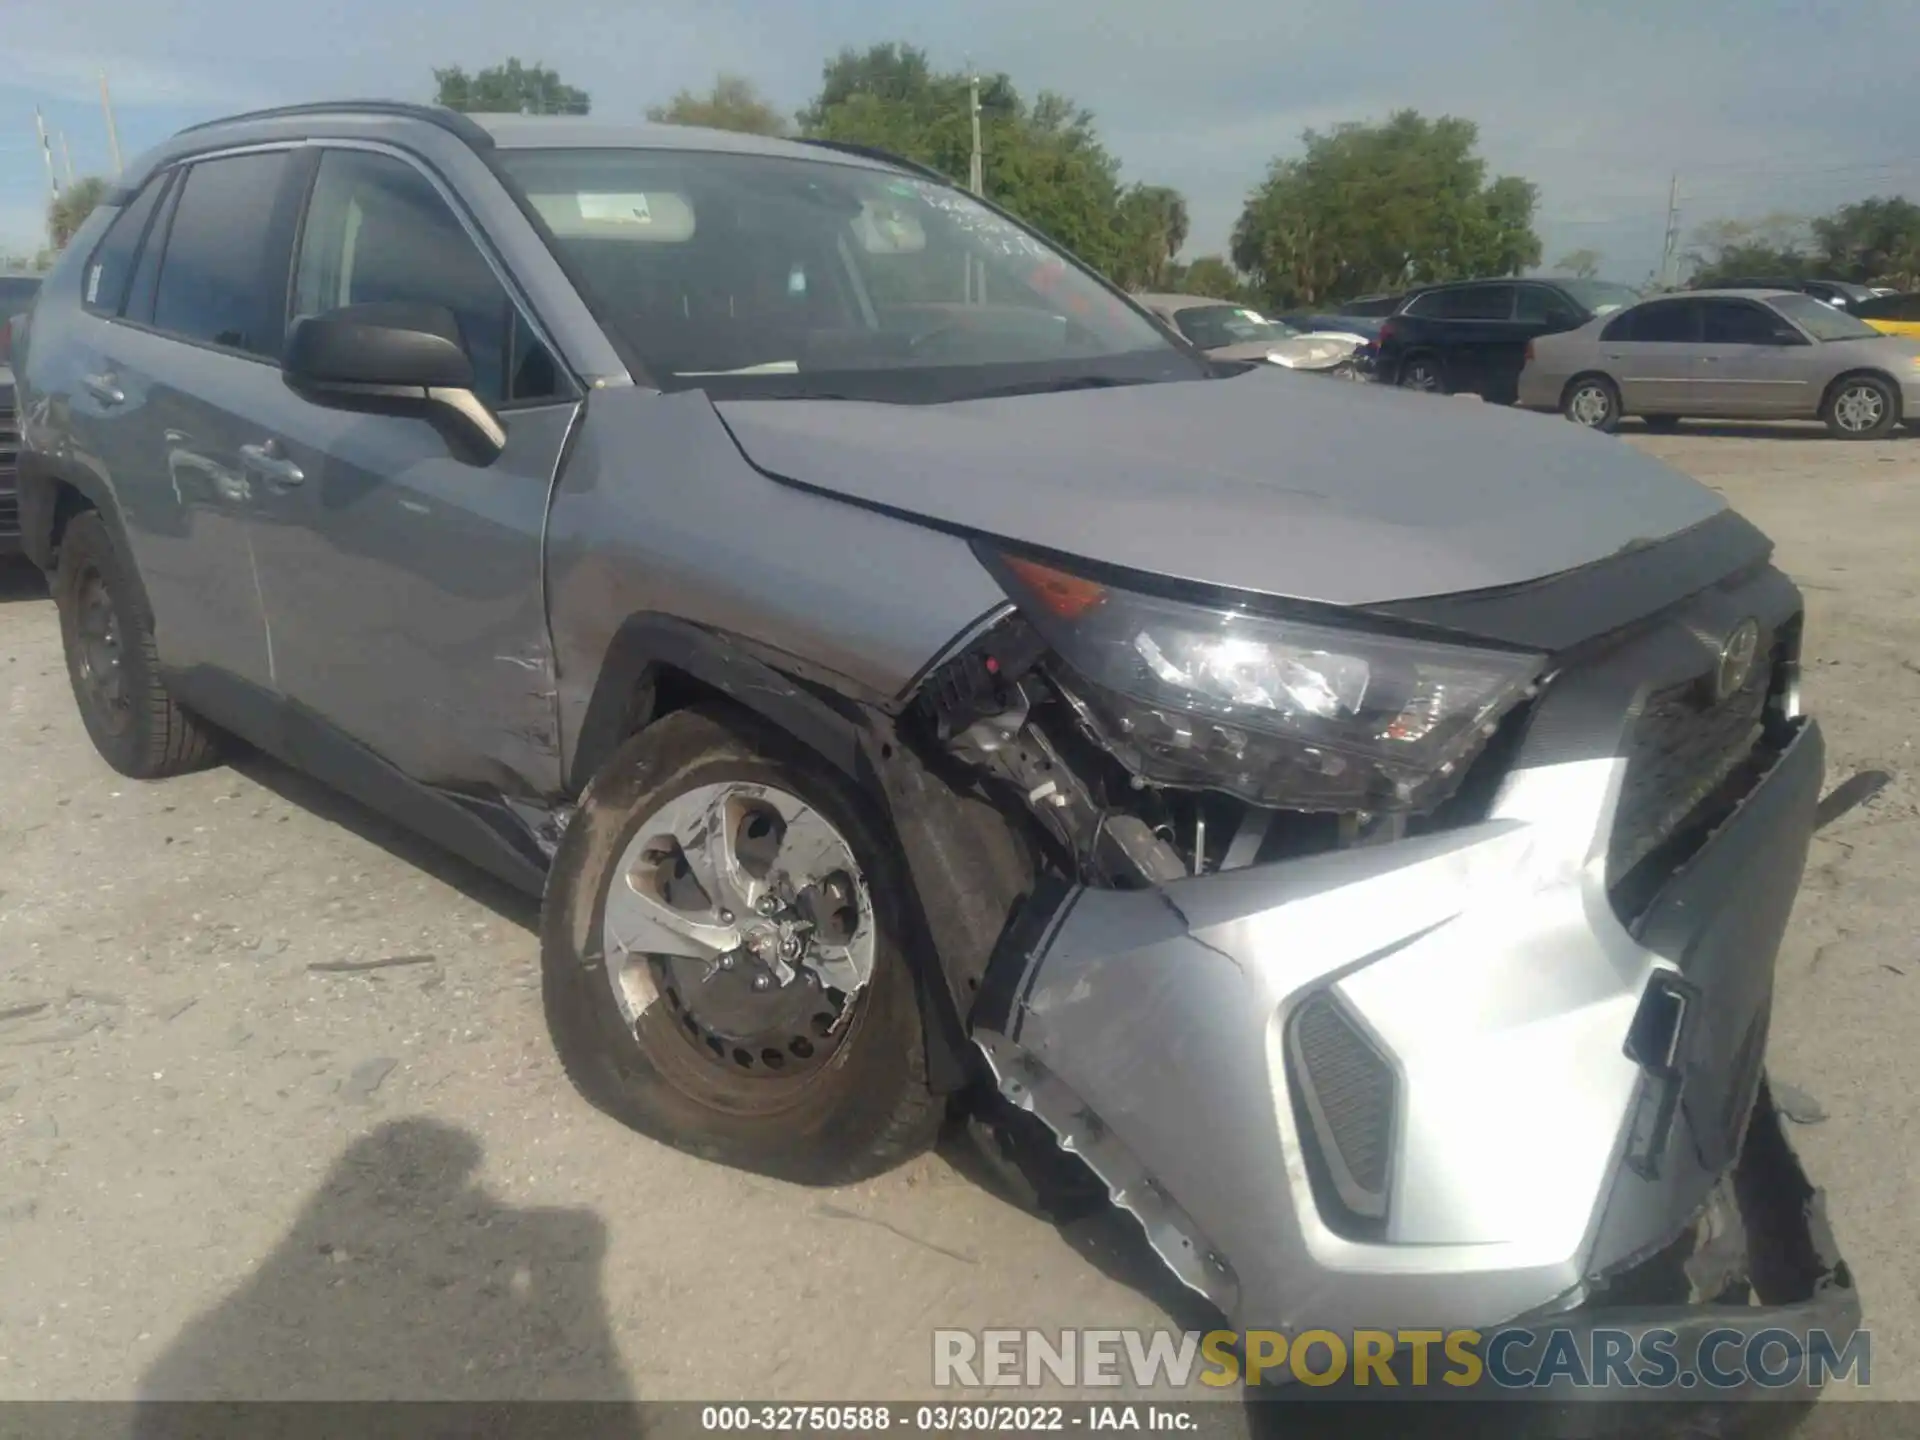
(1737, 655)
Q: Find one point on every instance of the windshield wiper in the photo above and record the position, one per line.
(1048, 387)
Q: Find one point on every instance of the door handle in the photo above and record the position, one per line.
(102, 388)
(1709, 359)
(270, 463)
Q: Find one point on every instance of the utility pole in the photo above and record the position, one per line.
(46, 150)
(113, 132)
(974, 182)
(1667, 275)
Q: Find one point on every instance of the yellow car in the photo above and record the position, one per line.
(1893, 314)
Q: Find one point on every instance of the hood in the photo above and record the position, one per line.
(1268, 481)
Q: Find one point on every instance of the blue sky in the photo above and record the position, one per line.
(1760, 106)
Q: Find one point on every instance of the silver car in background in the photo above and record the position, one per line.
(1727, 354)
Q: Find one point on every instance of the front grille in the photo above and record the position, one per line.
(1679, 751)
(1347, 1089)
(9, 441)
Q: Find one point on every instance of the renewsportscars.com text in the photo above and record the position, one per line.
(1509, 1359)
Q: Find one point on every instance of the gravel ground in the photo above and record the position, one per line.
(232, 1163)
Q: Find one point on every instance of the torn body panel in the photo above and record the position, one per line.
(1456, 1073)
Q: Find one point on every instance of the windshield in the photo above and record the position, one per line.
(1600, 297)
(1821, 320)
(768, 275)
(1212, 326)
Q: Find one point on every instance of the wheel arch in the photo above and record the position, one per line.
(657, 664)
(1867, 372)
(50, 497)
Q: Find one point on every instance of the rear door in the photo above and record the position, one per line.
(1651, 351)
(1753, 363)
(189, 362)
(403, 584)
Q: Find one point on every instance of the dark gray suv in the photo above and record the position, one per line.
(1359, 826)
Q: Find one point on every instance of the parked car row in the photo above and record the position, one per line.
(1599, 352)
(16, 296)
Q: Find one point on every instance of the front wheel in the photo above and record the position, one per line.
(1862, 407)
(722, 956)
(1592, 401)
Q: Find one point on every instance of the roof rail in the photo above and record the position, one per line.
(449, 120)
(874, 152)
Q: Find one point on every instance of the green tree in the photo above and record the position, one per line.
(1582, 264)
(1876, 240)
(1376, 206)
(1153, 226)
(734, 103)
(1776, 246)
(69, 210)
(1042, 159)
(509, 89)
(1209, 275)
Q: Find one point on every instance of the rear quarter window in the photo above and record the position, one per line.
(103, 287)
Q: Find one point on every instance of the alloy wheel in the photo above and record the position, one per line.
(1590, 405)
(741, 909)
(1859, 408)
(102, 672)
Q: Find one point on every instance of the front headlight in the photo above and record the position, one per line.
(1279, 712)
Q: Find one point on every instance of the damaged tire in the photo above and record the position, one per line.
(721, 955)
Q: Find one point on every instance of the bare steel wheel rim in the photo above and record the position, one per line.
(1590, 405)
(741, 912)
(99, 653)
(1859, 408)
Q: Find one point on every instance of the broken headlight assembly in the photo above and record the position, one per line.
(1278, 712)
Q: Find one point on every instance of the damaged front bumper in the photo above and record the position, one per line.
(1435, 1083)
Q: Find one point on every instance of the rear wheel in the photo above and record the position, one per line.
(134, 723)
(1421, 372)
(1592, 401)
(1861, 407)
(721, 947)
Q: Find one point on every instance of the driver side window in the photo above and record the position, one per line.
(377, 230)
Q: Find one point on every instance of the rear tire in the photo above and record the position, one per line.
(684, 1056)
(1422, 372)
(1592, 401)
(1861, 407)
(138, 728)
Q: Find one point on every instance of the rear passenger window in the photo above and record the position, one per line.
(1472, 302)
(105, 284)
(378, 230)
(217, 281)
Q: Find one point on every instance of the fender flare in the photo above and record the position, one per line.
(855, 737)
(39, 484)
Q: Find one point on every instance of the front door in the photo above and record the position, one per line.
(404, 583)
(1753, 363)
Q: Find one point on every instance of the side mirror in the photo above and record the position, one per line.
(393, 359)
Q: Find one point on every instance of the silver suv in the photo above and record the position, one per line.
(1359, 826)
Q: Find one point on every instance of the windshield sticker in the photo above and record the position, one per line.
(631, 209)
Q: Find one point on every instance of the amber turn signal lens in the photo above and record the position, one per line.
(1068, 596)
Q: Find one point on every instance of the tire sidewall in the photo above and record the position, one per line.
(1889, 415)
(837, 1126)
(87, 545)
(1611, 421)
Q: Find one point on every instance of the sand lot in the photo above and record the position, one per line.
(225, 1171)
